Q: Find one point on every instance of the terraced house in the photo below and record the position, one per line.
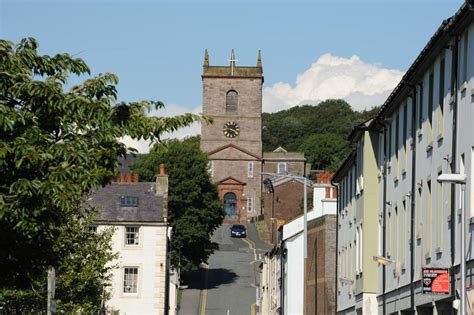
(424, 129)
(357, 217)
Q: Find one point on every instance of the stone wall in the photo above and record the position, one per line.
(321, 266)
(288, 202)
(248, 114)
(247, 145)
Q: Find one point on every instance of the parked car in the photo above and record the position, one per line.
(238, 230)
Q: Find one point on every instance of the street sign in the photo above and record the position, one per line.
(435, 281)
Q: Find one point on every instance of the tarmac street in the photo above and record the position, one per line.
(229, 281)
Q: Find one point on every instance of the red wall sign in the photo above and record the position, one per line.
(435, 281)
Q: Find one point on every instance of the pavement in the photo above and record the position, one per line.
(227, 285)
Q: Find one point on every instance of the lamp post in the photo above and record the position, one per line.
(269, 186)
(460, 179)
(305, 207)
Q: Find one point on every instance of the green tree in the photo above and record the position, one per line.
(325, 151)
(195, 210)
(58, 144)
(296, 129)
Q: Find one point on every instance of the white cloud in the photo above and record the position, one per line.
(361, 84)
(170, 110)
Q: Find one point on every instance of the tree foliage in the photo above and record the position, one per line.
(296, 129)
(195, 210)
(325, 151)
(58, 143)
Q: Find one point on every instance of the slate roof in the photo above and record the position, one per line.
(107, 200)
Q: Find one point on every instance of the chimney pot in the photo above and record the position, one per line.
(135, 178)
(162, 169)
(129, 178)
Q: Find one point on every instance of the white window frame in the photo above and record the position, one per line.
(357, 244)
(135, 277)
(128, 201)
(249, 204)
(361, 248)
(210, 168)
(280, 164)
(135, 233)
(250, 167)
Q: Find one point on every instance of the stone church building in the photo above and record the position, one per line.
(232, 96)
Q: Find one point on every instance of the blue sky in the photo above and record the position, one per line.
(156, 47)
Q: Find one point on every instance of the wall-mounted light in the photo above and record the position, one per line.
(383, 260)
(346, 281)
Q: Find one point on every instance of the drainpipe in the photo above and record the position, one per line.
(454, 92)
(384, 216)
(262, 169)
(337, 242)
(168, 266)
(412, 201)
(282, 275)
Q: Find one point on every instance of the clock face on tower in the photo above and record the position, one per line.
(231, 129)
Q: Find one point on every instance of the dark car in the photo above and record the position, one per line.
(238, 230)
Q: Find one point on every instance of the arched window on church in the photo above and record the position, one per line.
(231, 101)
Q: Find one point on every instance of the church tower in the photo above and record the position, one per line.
(232, 96)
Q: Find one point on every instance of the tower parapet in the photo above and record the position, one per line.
(232, 70)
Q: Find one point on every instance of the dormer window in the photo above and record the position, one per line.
(128, 201)
(231, 101)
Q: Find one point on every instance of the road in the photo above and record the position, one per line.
(230, 279)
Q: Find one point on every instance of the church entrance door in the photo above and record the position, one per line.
(230, 204)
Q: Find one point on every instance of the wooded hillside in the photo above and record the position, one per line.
(319, 131)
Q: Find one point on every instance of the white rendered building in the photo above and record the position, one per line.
(137, 212)
(424, 129)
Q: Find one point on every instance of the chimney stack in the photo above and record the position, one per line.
(162, 190)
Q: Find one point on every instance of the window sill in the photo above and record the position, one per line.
(439, 138)
(429, 147)
(404, 171)
(132, 247)
(438, 250)
(463, 87)
(395, 179)
(420, 133)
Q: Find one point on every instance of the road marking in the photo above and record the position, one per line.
(252, 247)
(203, 302)
(204, 292)
(250, 243)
